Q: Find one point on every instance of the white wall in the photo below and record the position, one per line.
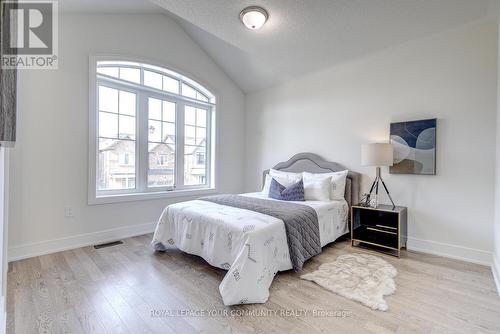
(496, 234)
(450, 76)
(49, 163)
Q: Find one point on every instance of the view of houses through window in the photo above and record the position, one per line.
(148, 118)
(161, 142)
(117, 144)
(195, 132)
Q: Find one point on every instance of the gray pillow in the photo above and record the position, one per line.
(294, 192)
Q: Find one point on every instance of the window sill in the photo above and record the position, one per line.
(149, 196)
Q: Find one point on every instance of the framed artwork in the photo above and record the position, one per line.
(414, 145)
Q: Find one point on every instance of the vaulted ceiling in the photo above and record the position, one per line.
(303, 36)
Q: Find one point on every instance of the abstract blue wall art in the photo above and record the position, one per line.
(414, 147)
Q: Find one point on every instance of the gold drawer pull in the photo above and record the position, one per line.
(389, 227)
(376, 229)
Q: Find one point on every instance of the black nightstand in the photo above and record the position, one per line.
(382, 227)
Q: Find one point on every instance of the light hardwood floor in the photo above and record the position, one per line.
(115, 290)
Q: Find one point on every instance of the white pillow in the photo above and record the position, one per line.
(338, 184)
(317, 187)
(337, 190)
(285, 178)
(267, 185)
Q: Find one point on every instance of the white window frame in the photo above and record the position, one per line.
(142, 191)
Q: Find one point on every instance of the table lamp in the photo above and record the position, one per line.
(378, 155)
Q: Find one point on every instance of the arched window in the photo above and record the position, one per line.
(151, 132)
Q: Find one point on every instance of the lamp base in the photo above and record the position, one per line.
(375, 184)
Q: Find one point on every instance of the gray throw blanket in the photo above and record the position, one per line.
(301, 223)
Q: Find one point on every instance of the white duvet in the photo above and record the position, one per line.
(252, 246)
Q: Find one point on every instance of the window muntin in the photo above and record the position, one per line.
(155, 77)
(195, 143)
(161, 142)
(116, 134)
(125, 73)
(153, 80)
(109, 70)
(170, 85)
(130, 74)
(144, 108)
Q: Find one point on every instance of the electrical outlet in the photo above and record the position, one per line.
(68, 212)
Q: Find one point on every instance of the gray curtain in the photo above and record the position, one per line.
(8, 83)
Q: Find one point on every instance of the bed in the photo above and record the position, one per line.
(250, 245)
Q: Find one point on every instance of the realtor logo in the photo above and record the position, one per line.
(29, 34)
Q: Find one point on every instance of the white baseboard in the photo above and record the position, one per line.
(3, 316)
(495, 268)
(57, 245)
(451, 251)
(3, 323)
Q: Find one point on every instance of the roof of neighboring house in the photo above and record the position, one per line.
(114, 143)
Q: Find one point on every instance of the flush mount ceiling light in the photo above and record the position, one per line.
(253, 17)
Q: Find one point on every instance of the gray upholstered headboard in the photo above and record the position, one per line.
(312, 163)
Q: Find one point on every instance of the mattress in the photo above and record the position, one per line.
(250, 245)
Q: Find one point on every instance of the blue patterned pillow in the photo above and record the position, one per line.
(294, 192)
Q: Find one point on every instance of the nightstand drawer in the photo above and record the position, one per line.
(375, 218)
(377, 236)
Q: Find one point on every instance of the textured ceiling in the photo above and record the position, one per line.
(302, 36)
(108, 6)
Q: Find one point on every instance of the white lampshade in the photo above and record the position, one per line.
(377, 154)
(253, 17)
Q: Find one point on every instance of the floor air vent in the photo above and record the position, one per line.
(108, 244)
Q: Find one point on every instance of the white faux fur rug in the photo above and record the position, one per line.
(361, 277)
